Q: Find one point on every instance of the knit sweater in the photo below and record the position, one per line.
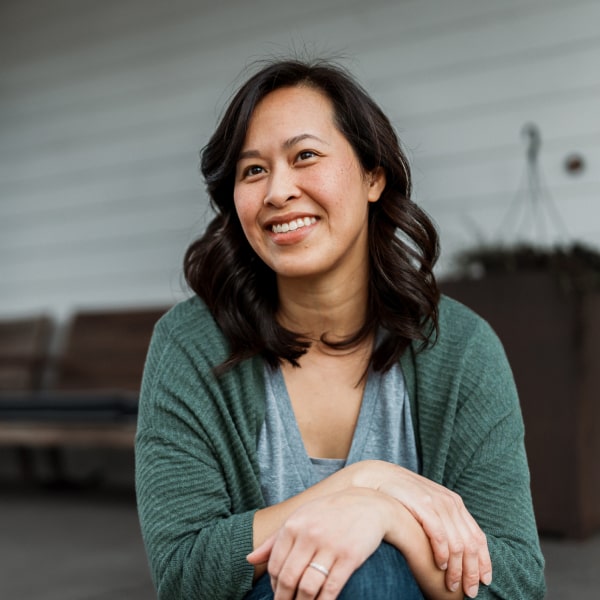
(197, 473)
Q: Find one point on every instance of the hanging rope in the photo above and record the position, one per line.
(533, 208)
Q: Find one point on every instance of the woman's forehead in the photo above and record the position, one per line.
(291, 113)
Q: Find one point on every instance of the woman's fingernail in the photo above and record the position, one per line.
(454, 586)
(487, 579)
(444, 566)
(473, 591)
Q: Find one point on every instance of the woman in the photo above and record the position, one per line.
(316, 422)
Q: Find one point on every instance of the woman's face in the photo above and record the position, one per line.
(300, 192)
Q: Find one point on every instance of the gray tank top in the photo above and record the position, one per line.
(384, 431)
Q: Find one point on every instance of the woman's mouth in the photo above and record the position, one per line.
(293, 225)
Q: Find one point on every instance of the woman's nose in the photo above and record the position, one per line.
(282, 187)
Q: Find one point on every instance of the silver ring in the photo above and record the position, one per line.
(320, 568)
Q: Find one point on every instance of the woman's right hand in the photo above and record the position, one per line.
(337, 532)
(459, 545)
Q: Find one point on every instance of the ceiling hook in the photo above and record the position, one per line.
(534, 141)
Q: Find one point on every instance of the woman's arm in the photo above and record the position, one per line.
(470, 431)
(340, 532)
(437, 520)
(196, 478)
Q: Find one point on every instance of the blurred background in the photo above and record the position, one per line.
(104, 107)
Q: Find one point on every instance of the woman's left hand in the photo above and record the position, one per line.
(335, 534)
(458, 544)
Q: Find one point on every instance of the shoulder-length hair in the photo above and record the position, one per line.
(241, 291)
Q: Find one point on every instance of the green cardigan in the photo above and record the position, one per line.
(197, 475)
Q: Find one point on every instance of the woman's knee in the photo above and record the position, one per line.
(385, 574)
(261, 590)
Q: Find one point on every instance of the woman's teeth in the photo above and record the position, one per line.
(293, 225)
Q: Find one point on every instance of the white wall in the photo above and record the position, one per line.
(105, 105)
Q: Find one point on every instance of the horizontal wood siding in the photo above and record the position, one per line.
(104, 107)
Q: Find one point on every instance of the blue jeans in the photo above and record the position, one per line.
(384, 575)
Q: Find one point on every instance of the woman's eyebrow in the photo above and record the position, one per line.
(289, 143)
(249, 154)
(300, 138)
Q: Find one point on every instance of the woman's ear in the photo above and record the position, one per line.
(377, 181)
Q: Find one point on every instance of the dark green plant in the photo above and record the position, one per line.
(576, 266)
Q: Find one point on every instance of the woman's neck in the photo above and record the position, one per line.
(334, 309)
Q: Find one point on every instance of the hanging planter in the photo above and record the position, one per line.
(576, 267)
(544, 303)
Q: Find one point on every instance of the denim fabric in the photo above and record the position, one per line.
(383, 576)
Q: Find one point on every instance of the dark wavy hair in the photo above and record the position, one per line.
(241, 291)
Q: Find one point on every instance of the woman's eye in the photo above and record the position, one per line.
(306, 154)
(252, 170)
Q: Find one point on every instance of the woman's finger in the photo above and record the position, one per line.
(485, 562)
(468, 547)
(281, 580)
(456, 548)
(477, 564)
(338, 577)
(435, 529)
(289, 565)
(314, 577)
(260, 554)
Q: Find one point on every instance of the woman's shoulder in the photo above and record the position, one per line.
(188, 315)
(465, 369)
(460, 325)
(466, 349)
(459, 316)
(189, 324)
(464, 340)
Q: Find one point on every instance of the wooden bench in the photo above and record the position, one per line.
(24, 345)
(92, 395)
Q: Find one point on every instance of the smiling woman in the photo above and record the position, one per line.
(317, 422)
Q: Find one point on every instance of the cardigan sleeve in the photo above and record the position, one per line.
(195, 482)
(472, 441)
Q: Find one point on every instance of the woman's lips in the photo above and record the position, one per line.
(291, 230)
(293, 224)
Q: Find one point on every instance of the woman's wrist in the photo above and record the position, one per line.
(370, 473)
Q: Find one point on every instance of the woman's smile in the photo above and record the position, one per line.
(293, 224)
(290, 230)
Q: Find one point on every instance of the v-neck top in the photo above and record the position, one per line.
(384, 431)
